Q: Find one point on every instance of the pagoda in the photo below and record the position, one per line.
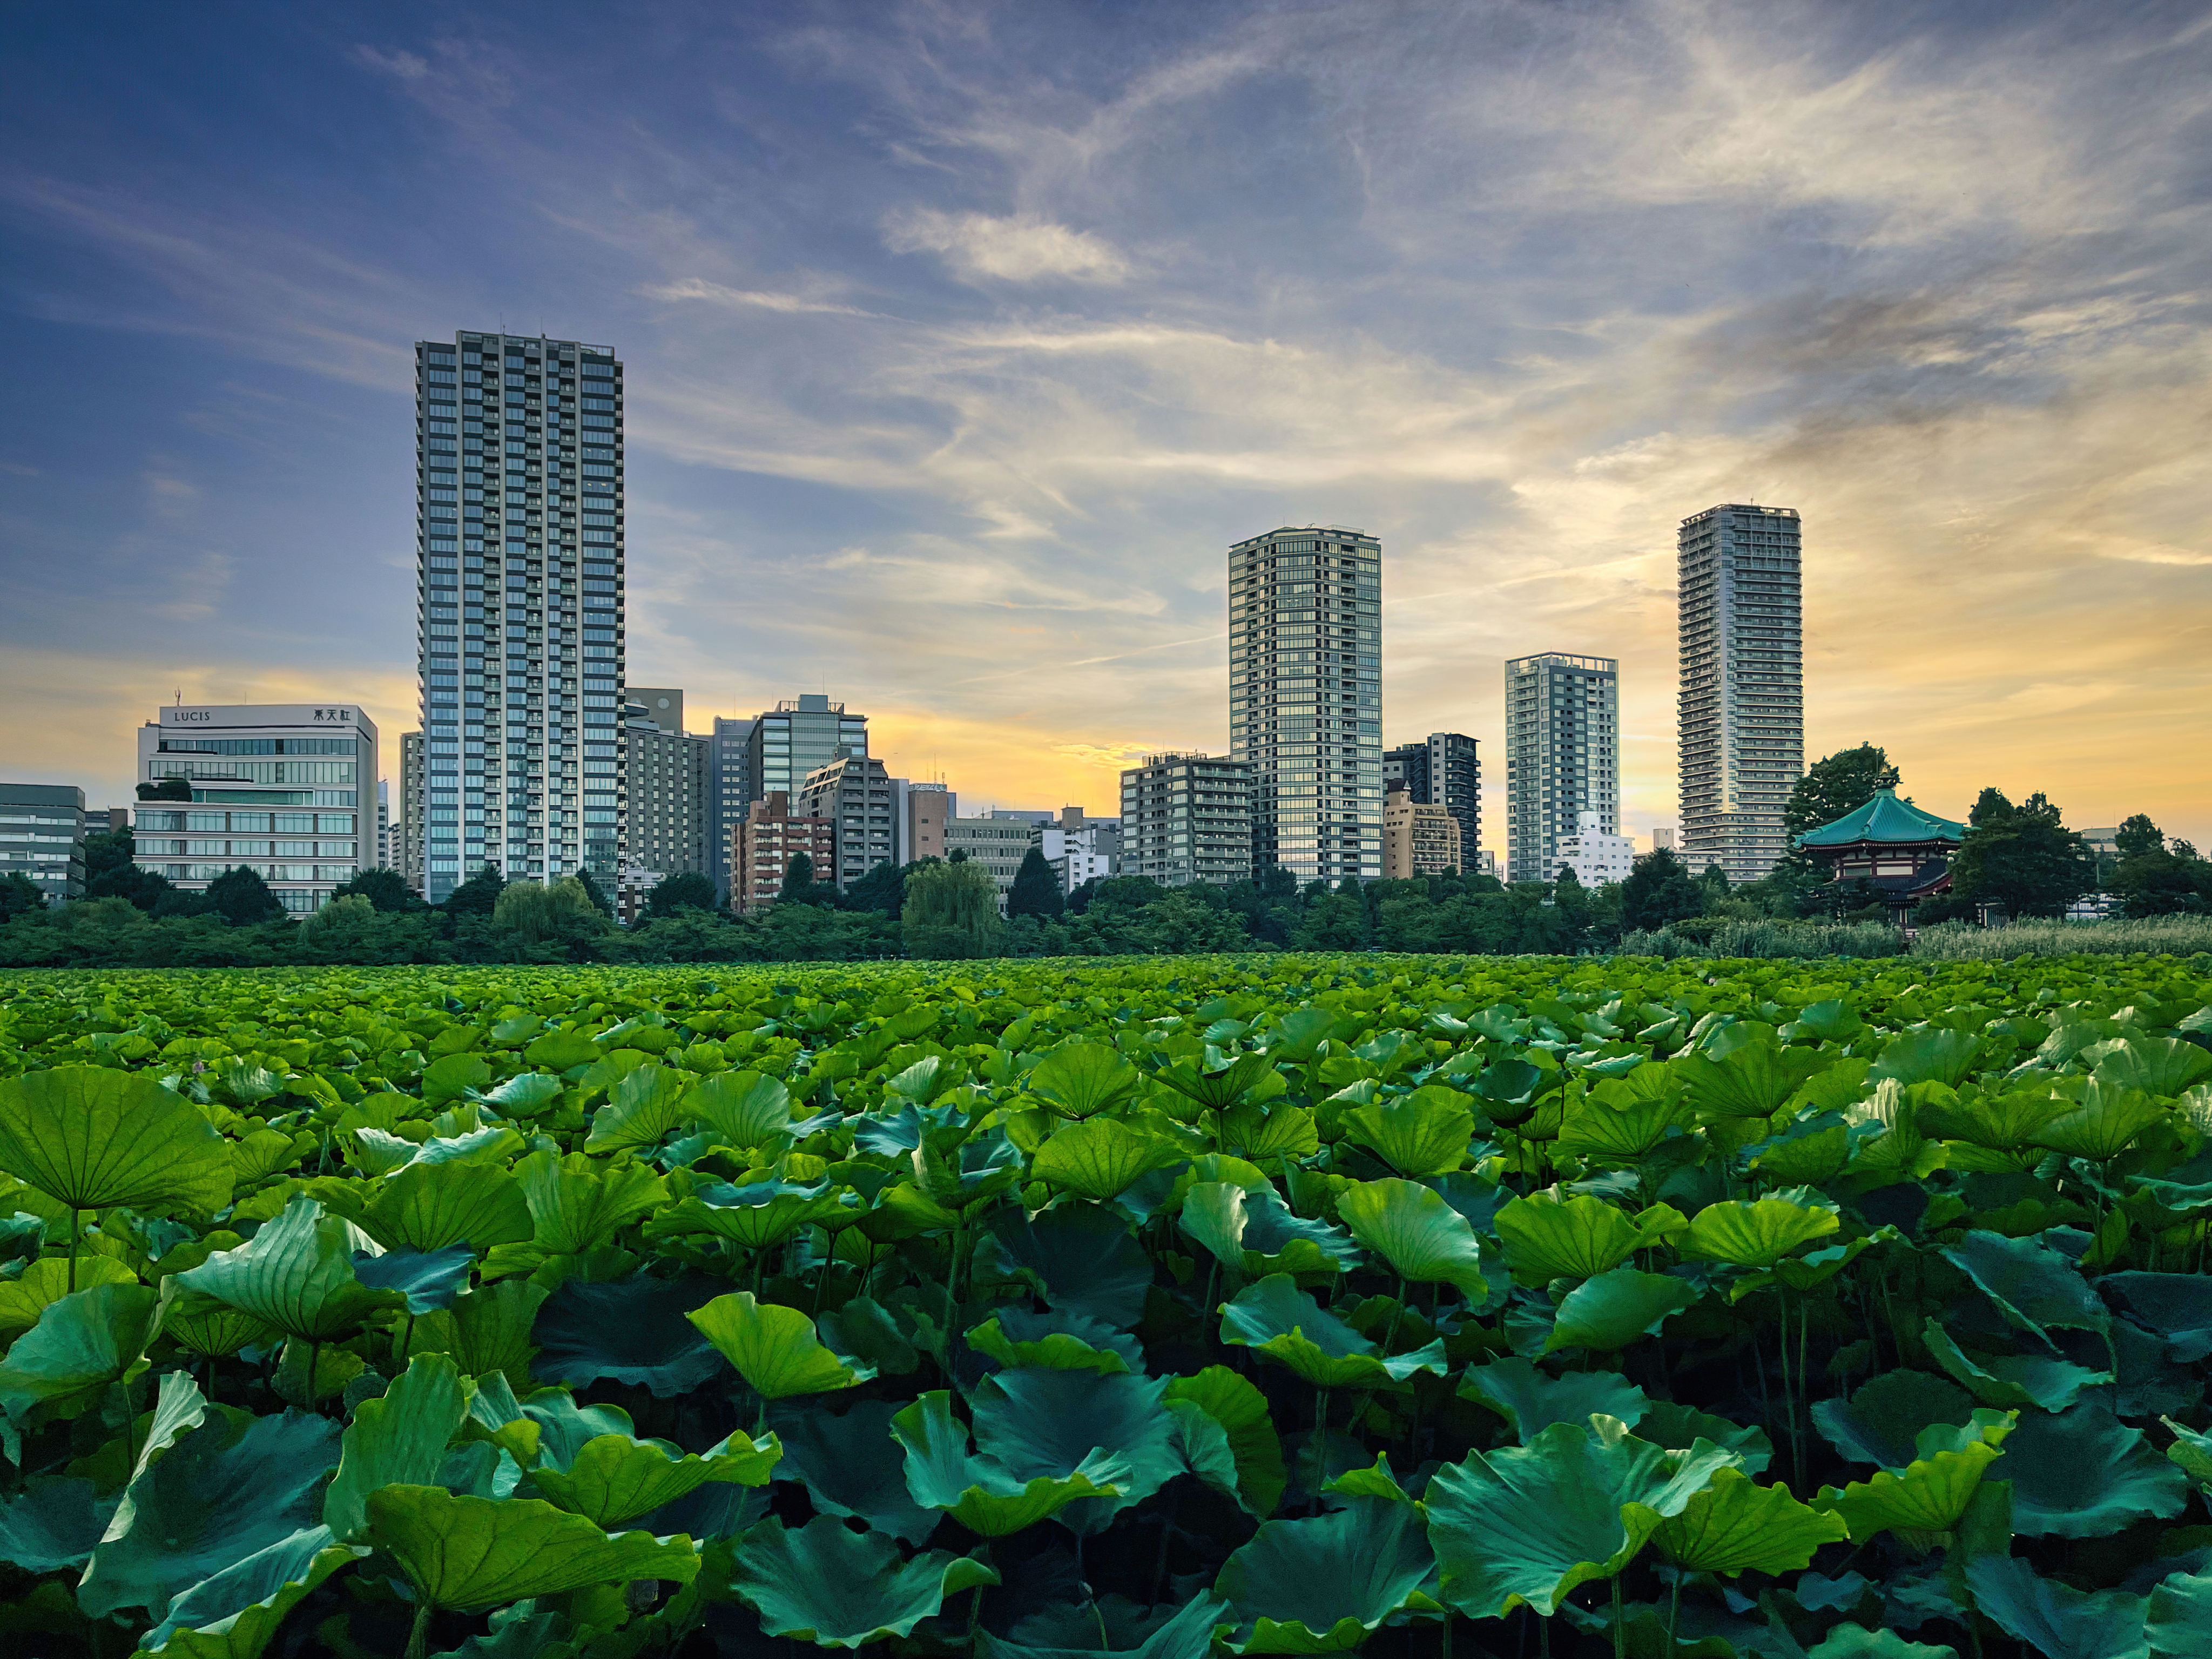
(1901, 853)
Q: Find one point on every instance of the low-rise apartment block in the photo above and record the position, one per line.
(854, 791)
(1419, 838)
(1187, 817)
(766, 842)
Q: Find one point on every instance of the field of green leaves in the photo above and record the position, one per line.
(1029, 1310)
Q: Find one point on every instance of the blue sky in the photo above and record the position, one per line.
(963, 339)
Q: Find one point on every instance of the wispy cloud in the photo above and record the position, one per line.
(1018, 248)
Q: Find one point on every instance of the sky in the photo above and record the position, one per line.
(962, 340)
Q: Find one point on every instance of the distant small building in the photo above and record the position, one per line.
(999, 841)
(766, 842)
(1596, 857)
(633, 886)
(1662, 836)
(1081, 849)
(42, 838)
(1902, 853)
(1419, 838)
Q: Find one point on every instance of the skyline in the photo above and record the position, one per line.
(961, 347)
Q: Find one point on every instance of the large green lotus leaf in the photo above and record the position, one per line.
(467, 1551)
(1928, 1494)
(1423, 1133)
(2108, 1121)
(2011, 1379)
(217, 1496)
(2035, 1287)
(1858, 1641)
(1615, 1309)
(1927, 1054)
(1081, 1079)
(1231, 1401)
(1735, 1526)
(453, 1076)
(397, 1438)
(1080, 1257)
(43, 1282)
(1048, 1422)
(52, 1523)
(1253, 1230)
(2159, 1065)
(1219, 1087)
(1411, 1227)
(1881, 1424)
(825, 1583)
(2058, 1620)
(232, 1614)
(92, 1138)
(1287, 1325)
(1102, 1160)
(846, 1464)
(979, 1491)
(1756, 1233)
(1751, 1078)
(80, 1345)
(743, 1107)
(561, 1050)
(296, 1273)
(1055, 1342)
(1667, 1424)
(428, 1280)
(1548, 1237)
(486, 1331)
(757, 1215)
(2180, 1623)
(1532, 1400)
(2177, 1306)
(1187, 1634)
(579, 1203)
(2083, 1474)
(615, 1478)
(429, 1206)
(2003, 1123)
(1528, 1523)
(631, 1331)
(1322, 1585)
(776, 1349)
(641, 1110)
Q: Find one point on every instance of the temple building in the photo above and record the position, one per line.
(1901, 853)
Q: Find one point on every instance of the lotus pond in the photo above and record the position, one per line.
(1029, 1311)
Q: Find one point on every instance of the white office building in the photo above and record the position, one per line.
(520, 544)
(1596, 856)
(287, 789)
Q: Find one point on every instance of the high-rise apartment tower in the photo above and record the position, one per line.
(1562, 755)
(1740, 717)
(519, 536)
(1305, 697)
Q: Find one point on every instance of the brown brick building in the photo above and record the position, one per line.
(764, 846)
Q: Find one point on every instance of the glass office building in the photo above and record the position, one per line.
(520, 544)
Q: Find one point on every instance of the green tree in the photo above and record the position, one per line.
(110, 871)
(800, 886)
(242, 898)
(2137, 835)
(1659, 891)
(1036, 888)
(478, 895)
(385, 890)
(599, 900)
(1185, 920)
(951, 910)
(685, 890)
(2023, 857)
(165, 789)
(18, 894)
(2158, 883)
(538, 915)
(1333, 921)
(1837, 784)
(1714, 884)
(882, 889)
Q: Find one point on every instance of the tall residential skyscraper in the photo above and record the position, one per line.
(1305, 697)
(798, 736)
(519, 504)
(1444, 770)
(1562, 755)
(1741, 711)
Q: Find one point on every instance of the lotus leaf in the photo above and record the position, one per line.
(2058, 1620)
(1532, 1400)
(1733, 1527)
(463, 1552)
(1423, 1133)
(1613, 1310)
(979, 1491)
(91, 1138)
(232, 1614)
(1323, 1585)
(1412, 1227)
(776, 1349)
(1287, 1325)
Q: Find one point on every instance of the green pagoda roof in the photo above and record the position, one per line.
(1884, 818)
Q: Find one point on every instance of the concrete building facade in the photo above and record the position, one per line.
(1444, 770)
(42, 838)
(998, 844)
(1305, 697)
(796, 737)
(1596, 856)
(854, 791)
(1419, 838)
(287, 789)
(1191, 817)
(1562, 755)
(1741, 715)
(1081, 849)
(729, 791)
(520, 544)
(921, 813)
(669, 806)
(766, 842)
